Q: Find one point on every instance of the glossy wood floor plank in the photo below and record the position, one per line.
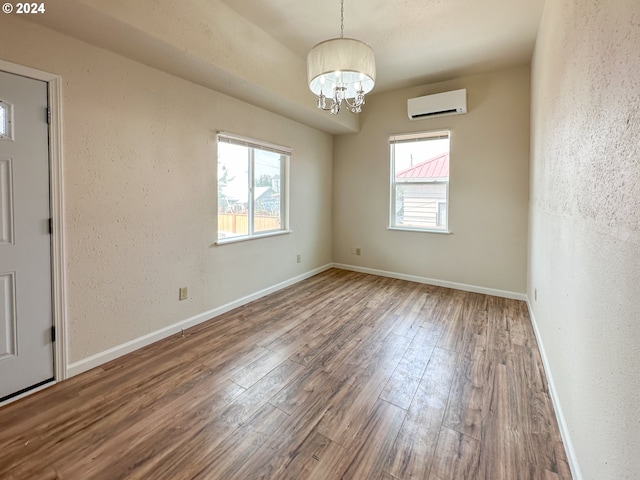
(414, 448)
(341, 376)
(402, 386)
(456, 456)
(370, 447)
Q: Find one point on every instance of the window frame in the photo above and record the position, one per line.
(252, 145)
(417, 137)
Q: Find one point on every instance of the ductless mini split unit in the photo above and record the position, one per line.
(438, 105)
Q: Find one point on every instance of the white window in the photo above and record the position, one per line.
(252, 188)
(419, 181)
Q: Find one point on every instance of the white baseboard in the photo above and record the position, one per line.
(132, 345)
(137, 343)
(432, 281)
(564, 428)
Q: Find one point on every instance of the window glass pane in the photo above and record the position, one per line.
(3, 120)
(252, 188)
(418, 204)
(420, 182)
(233, 190)
(267, 194)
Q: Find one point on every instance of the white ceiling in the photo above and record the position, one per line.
(255, 50)
(415, 41)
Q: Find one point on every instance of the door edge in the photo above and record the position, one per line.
(56, 206)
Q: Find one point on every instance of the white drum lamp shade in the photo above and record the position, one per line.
(341, 63)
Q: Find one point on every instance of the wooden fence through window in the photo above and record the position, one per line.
(238, 223)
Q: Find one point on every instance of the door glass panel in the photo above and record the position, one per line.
(3, 120)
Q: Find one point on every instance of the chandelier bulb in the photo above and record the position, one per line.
(343, 66)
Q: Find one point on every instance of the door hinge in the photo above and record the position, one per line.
(48, 115)
(51, 226)
(53, 333)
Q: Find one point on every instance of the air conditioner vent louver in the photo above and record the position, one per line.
(438, 105)
(452, 111)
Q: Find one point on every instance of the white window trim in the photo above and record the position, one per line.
(420, 230)
(225, 241)
(415, 137)
(284, 186)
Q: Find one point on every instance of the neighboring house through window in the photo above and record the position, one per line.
(252, 188)
(419, 181)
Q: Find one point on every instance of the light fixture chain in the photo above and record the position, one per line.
(341, 18)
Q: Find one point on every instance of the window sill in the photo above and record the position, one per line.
(225, 241)
(420, 230)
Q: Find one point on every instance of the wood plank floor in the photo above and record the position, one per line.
(342, 376)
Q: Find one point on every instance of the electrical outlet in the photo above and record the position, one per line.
(298, 258)
(183, 293)
(535, 294)
(358, 251)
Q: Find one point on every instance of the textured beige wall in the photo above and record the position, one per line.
(488, 186)
(139, 165)
(236, 57)
(584, 240)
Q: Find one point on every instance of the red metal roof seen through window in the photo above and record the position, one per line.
(436, 167)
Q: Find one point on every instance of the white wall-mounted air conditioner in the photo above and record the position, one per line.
(438, 105)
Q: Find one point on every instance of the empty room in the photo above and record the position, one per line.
(345, 239)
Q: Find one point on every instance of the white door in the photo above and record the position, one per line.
(26, 343)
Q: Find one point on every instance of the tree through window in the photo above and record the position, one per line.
(252, 188)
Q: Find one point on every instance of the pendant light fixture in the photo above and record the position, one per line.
(341, 70)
